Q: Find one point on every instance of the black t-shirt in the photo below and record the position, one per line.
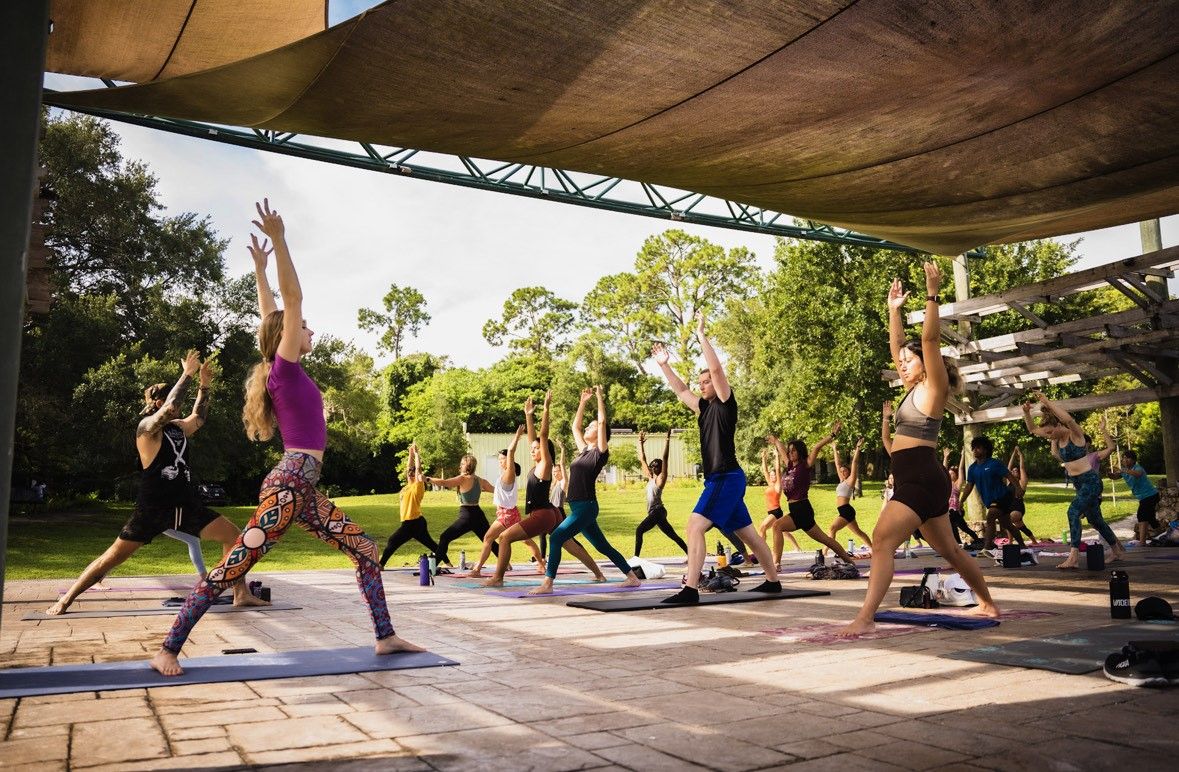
(536, 493)
(718, 425)
(583, 473)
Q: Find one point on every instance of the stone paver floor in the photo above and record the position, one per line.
(547, 687)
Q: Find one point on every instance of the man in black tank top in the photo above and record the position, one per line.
(723, 502)
(167, 497)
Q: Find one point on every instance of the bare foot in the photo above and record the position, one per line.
(546, 588)
(631, 581)
(57, 608)
(476, 573)
(857, 628)
(394, 644)
(244, 597)
(1119, 552)
(493, 582)
(1068, 563)
(165, 663)
(600, 577)
(985, 610)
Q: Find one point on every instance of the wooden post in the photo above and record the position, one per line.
(1152, 241)
(971, 509)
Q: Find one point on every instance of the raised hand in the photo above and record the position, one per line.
(529, 408)
(269, 221)
(191, 363)
(1027, 408)
(933, 278)
(520, 431)
(896, 296)
(207, 372)
(836, 428)
(859, 443)
(586, 393)
(701, 322)
(661, 354)
(548, 398)
(598, 392)
(642, 436)
(259, 252)
(887, 409)
(669, 432)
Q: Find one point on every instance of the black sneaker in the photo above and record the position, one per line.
(687, 596)
(1135, 667)
(768, 586)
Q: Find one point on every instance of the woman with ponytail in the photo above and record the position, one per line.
(280, 394)
(922, 491)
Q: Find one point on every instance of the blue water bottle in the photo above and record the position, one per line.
(424, 571)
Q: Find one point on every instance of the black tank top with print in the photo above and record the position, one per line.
(167, 480)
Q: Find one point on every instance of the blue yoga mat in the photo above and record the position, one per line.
(945, 621)
(137, 674)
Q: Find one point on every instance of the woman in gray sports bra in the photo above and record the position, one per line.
(656, 472)
(846, 517)
(471, 518)
(922, 492)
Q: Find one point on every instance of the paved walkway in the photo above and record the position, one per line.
(543, 686)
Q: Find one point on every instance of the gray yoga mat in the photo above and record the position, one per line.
(137, 674)
(590, 589)
(706, 599)
(1074, 653)
(152, 612)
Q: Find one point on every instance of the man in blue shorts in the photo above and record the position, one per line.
(723, 502)
(994, 482)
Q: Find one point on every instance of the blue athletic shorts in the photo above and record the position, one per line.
(723, 500)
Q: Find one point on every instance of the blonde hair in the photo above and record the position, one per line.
(467, 464)
(258, 411)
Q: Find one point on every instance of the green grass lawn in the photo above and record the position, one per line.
(61, 544)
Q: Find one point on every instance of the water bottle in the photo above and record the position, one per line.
(819, 557)
(424, 571)
(721, 559)
(463, 559)
(851, 546)
(433, 565)
(1119, 595)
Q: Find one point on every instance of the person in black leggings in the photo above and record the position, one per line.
(656, 472)
(471, 518)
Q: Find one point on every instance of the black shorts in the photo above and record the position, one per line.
(776, 512)
(921, 482)
(1015, 504)
(802, 513)
(847, 512)
(146, 523)
(1147, 509)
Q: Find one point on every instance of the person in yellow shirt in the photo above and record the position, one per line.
(413, 525)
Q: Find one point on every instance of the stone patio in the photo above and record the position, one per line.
(547, 687)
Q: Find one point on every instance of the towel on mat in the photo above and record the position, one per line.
(947, 621)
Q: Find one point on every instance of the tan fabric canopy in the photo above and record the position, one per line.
(941, 125)
(144, 40)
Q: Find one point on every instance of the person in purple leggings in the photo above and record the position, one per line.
(279, 394)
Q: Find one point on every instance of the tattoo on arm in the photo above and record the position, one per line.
(155, 422)
(201, 408)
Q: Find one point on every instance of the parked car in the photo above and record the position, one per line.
(212, 494)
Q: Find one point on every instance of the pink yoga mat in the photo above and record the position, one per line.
(825, 634)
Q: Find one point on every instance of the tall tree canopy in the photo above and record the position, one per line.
(404, 316)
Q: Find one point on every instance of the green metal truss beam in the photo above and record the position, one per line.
(610, 193)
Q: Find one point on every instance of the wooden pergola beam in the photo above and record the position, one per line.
(1088, 402)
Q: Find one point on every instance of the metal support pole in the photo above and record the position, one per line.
(972, 509)
(23, 28)
(1152, 240)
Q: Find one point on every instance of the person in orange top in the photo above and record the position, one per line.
(773, 479)
(413, 525)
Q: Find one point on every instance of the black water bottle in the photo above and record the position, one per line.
(1119, 595)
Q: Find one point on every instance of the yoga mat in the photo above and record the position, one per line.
(706, 599)
(151, 612)
(137, 588)
(477, 584)
(137, 674)
(595, 589)
(176, 601)
(1073, 653)
(825, 634)
(944, 621)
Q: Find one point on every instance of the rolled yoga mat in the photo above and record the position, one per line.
(1073, 653)
(706, 599)
(137, 674)
(152, 612)
(944, 621)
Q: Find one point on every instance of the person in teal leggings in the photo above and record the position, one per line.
(583, 499)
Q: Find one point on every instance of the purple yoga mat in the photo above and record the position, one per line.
(154, 588)
(589, 589)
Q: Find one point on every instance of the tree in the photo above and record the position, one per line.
(534, 321)
(676, 276)
(625, 457)
(405, 314)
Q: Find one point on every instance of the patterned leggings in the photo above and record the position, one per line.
(1087, 503)
(288, 494)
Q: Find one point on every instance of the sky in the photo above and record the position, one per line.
(353, 232)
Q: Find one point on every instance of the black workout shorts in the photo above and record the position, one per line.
(776, 512)
(803, 514)
(146, 523)
(1015, 504)
(1147, 509)
(847, 512)
(921, 482)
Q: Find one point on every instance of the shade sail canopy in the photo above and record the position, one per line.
(940, 125)
(147, 40)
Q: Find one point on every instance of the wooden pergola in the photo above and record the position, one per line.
(1000, 371)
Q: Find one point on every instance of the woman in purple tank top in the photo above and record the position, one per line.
(279, 394)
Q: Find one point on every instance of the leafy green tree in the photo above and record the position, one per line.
(535, 321)
(404, 316)
(625, 457)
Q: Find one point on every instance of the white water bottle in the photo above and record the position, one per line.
(851, 546)
(463, 560)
